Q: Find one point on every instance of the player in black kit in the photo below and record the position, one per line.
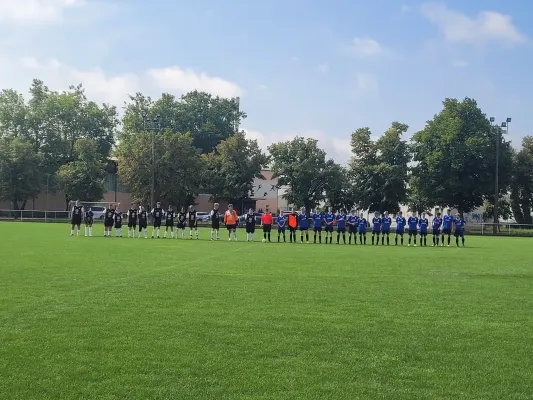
(215, 222)
(249, 220)
(157, 215)
(109, 220)
(89, 218)
(132, 220)
(77, 212)
(143, 222)
(182, 221)
(193, 223)
(118, 223)
(169, 222)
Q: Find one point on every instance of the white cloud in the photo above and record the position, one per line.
(364, 47)
(486, 26)
(323, 68)
(366, 84)
(336, 148)
(460, 64)
(35, 11)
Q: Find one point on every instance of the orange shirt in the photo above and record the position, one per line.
(293, 221)
(266, 219)
(230, 217)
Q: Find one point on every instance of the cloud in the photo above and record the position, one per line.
(323, 68)
(366, 84)
(336, 148)
(363, 47)
(35, 11)
(485, 27)
(262, 87)
(460, 64)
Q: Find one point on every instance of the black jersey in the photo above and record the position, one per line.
(157, 213)
(109, 214)
(215, 216)
(132, 214)
(182, 217)
(118, 218)
(89, 215)
(250, 219)
(192, 216)
(170, 216)
(76, 212)
(143, 216)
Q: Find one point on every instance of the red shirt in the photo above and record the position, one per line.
(266, 219)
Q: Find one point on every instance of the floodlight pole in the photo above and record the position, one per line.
(504, 125)
(154, 125)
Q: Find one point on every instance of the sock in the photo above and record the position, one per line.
(457, 241)
(165, 234)
(301, 237)
(86, 231)
(278, 237)
(338, 237)
(212, 234)
(218, 234)
(314, 240)
(306, 236)
(71, 232)
(396, 240)
(268, 237)
(373, 236)
(364, 239)
(443, 239)
(264, 235)
(448, 240)
(284, 240)
(234, 235)
(319, 238)
(401, 241)
(463, 240)
(172, 234)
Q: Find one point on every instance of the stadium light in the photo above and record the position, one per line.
(503, 125)
(152, 126)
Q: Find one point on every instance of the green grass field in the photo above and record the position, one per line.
(107, 318)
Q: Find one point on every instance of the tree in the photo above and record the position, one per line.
(83, 179)
(20, 177)
(232, 167)
(208, 119)
(339, 190)
(455, 156)
(522, 183)
(302, 166)
(178, 166)
(504, 210)
(416, 200)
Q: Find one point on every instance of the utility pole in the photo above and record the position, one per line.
(153, 126)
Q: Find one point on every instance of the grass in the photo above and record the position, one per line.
(106, 318)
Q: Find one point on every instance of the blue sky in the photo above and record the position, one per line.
(313, 68)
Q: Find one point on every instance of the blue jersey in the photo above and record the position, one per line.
(412, 222)
(400, 224)
(437, 222)
(341, 221)
(317, 220)
(386, 221)
(302, 221)
(353, 219)
(329, 217)
(423, 223)
(447, 222)
(459, 224)
(362, 224)
(376, 224)
(280, 220)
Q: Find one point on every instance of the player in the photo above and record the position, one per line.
(437, 222)
(423, 223)
(281, 222)
(386, 223)
(303, 223)
(341, 226)
(89, 219)
(215, 222)
(447, 222)
(362, 224)
(118, 223)
(329, 218)
(249, 222)
(318, 218)
(192, 222)
(169, 222)
(132, 220)
(109, 220)
(459, 229)
(157, 215)
(77, 212)
(412, 225)
(266, 223)
(353, 221)
(376, 228)
(182, 221)
(400, 228)
(293, 225)
(143, 222)
(231, 220)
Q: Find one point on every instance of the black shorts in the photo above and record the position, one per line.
(362, 232)
(118, 226)
(446, 231)
(281, 229)
(88, 221)
(215, 225)
(304, 228)
(353, 229)
(292, 229)
(423, 233)
(181, 225)
(142, 225)
(132, 223)
(232, 227)
(341, 230)
(386, 232)
(267, 228)
(76, 220)
(169, 223)
(317, 229)
(460, 233)
(108, 222)
(250, 228)
(157, 222)
(400, 232)
(329, 228)
(376, 232)
(193, 224)
(412, 232)
(436, 231)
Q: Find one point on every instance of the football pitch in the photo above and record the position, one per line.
(107, 318)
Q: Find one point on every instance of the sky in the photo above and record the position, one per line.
(311, 68)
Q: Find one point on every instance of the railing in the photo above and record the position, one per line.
(501, 229)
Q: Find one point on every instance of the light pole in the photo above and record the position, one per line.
(504, 125)
(153, 126)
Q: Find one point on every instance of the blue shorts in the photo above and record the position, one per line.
(281, 229)
(376, 231)
(329, 228)
(413, 232)
(362, 231)
(341, 230)
(304, 228)
(353, 229)
(386, 231)
(459, 233)
(436, 231)
(400, 231)
(423, 233)
(446, 231)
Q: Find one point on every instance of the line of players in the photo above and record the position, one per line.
(355, 226)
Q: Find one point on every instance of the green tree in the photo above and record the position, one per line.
(455, 157)
(20, 176)
(339, 190)
(208, 119)
(302, 166)
(83, 179)
(504, 210)
(416, 199)
(178, 166)
(522, 183)
(232, 167)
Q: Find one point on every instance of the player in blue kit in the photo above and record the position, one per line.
(376, 228)
(412, 226)
(353, 221)
(317, 225)
(437, 222)
(341, 225)
(459, 229)
(303, 223)
(386, 223)
(329, 218)
(447, 223)
(423, 223)
(362, 224)
(400, 228)
(281, 222)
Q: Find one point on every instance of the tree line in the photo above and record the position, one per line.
(64, 141)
